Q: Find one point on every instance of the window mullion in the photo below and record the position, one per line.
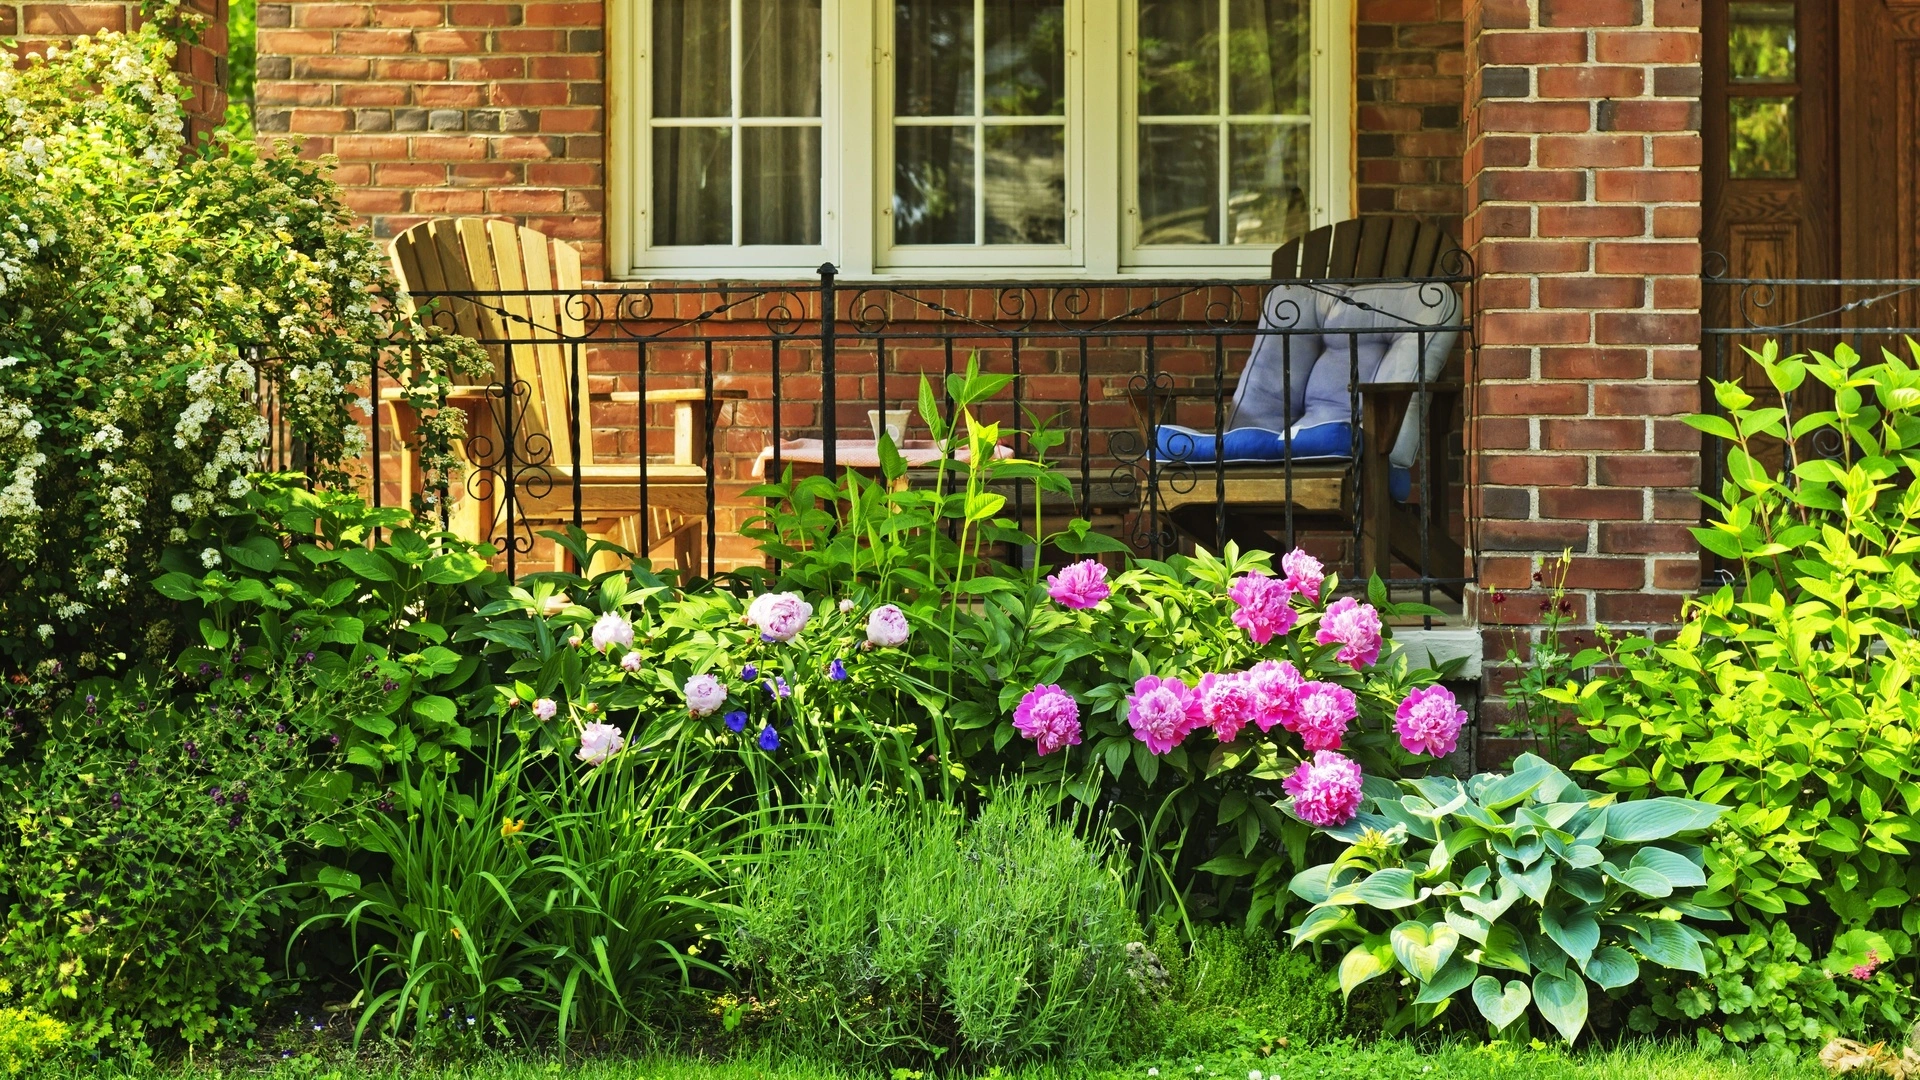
(979, 123)
(734, 74)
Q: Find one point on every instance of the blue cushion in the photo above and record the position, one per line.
(1188, 446)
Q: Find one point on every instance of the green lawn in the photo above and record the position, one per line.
(1388, 1060)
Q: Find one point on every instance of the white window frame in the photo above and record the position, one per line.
(856, 221)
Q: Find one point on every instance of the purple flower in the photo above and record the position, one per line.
(1429, 721)
(1227, 704)
(887, 627)
(1157, 710)
(736, 721)
(749, 673)
(205, 669)
(389, 686)
(1325, 790)
(544, 708)
(777, 687)
(779, 616)
(1276, 690)
(333, 740)
(1079, 586)
(1304, 573)
(610, 630)
(837, 671)
(1324, 711)
(704, 695)
(1356, 627)
(1263, 606)
(114, 800)
(598, 742)
(769, 739)
(1050, 717)
(630, 662)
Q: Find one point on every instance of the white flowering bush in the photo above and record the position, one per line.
(150, 295)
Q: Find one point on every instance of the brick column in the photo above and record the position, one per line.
(202, 65)
(440, 109)
(1408, 72)
(1583, 216)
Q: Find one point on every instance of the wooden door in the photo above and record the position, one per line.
(1880, 147)
(1770, 144)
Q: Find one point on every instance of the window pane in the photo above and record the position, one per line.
(933, 57)
(1026, 185)
(779, 57)
(1760, 42)
(1760, 143)
(780, 185)
(1269, 57)
(1267, 203)
(692, 186)
(1179, 184)
(692, 56)
(1179, 57)
(1026, 58)
(933, 185)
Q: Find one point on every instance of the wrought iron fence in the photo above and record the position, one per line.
(763, 379)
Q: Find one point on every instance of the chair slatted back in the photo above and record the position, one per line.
(482, 256)
(1364, 248)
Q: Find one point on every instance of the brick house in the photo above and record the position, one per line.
(1585, 153)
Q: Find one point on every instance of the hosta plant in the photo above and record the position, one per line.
(1511, 891)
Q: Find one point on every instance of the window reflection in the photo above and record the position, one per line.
(1760, 42)
(1760, 142)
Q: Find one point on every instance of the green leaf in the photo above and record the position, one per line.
(1713, 425)
(1514, 788)
(1563, 1001)
(1423, 950)
(1533, 881)
(370, 565)
(1505, 948)
(1387, 889)
(256, 553)
(454, 568)
(1612, 967)
(435, 708)
(1666, 944)
(1313, 884)
(1679, 870)
(378, 725)
(1361, 963)
(1656, 819)
(1501, 1007)
(175, 586)
(1578, 932)
(1450, 980)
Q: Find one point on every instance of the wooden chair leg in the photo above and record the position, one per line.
(1376, 500)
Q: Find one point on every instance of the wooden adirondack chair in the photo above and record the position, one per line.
(1257, 496)
(542, 339)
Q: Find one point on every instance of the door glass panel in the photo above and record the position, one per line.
(1026, 185)
(1760, 138)
(1025, 58)
(933, 185)
(1760, 42)
(1179, 57)
(933, 57)
(1179, 184)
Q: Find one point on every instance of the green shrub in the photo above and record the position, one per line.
(901, 934)
(1236, 989)
(1788, 696)
(28, 1041)
(149, 295)
(1452, 885)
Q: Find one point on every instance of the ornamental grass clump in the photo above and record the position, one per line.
(900, 934)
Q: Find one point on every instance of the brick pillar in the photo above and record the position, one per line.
(1408, 75)
(444, 109)
(202, 65)
(1583, 217)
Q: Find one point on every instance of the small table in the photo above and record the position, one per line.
(861, 454)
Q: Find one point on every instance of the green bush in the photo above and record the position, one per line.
(900, 934)
(1788, 696)
(1236, 989)
(29, 1041)
(1458, 886)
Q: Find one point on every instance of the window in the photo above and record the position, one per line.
(755, 138)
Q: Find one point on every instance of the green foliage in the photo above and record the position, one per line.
(29, 1041)
(1788, 696)
(902, 934)
(1461, 887)
(143, 820)
(1236, 989)
(1763, 992)
(149, 297)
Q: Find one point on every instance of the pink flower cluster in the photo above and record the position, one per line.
(1164, 711)
(1325, 790)
(1263, 606)
(1050, 717)
(1079, 586)
(1355, 627)
(1429, 721)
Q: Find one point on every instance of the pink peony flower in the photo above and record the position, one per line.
(779, 616)
(1429, 721)
(846, 606)
(1263, 606)
(610, 630)
(1079, 586)
(1276, 690)
(598, 742)
(705, 695)
(544, 708)
(887, 626)
(1304, 573)
(1158, 710)
(1324, 711)
(1356, 626)
(1050, 717)
(1325, 790)
(630, 662)
(1227, 703)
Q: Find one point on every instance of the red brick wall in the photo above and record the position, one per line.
(1583, 214)
(438, 109)
(1409, 70)
(202, 66)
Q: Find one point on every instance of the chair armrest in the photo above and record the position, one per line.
(694, 394)
(454, 393)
